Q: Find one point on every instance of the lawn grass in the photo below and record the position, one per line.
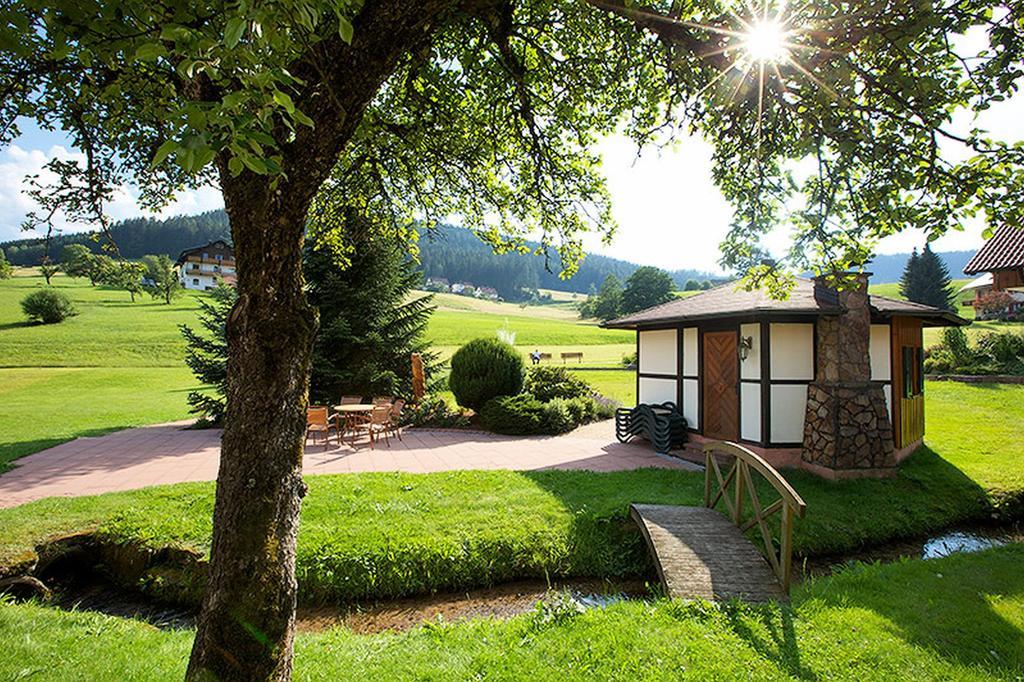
(607, 355)
(616, 384)
(45, 406)
(959, 618)
(109, 331)
(455, 328)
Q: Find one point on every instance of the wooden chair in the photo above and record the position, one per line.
(350, 400)
(319, 421)
(377, 425)
(395, 418)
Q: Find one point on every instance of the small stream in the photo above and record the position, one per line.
(962, 540)
(87, 589)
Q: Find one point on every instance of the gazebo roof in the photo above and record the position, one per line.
(1004, 251)
(805, 300)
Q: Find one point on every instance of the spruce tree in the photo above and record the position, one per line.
(936, 285)
(207, 354)
(369, 323)
(910, 280)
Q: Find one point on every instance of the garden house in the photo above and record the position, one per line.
(828, 380)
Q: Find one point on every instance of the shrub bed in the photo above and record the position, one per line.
(994, 353)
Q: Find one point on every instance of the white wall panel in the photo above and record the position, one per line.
(750, 411)
(788, 405)
(657, 390)
(658, 352)
(887, 389)
(792, 352)
(691, 403)
(751, 367)
(881, 360)
(690, 364)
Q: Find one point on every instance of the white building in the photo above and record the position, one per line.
(204, 267)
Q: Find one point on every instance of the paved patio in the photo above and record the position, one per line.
(168, 453)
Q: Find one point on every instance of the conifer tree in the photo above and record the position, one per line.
(926, 280)
(936, 285)
(369, 323)
(909, 280)
(207, 354)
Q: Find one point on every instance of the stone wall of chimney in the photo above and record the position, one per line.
(847, 425)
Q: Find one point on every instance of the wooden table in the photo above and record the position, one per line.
(354, 414)
(353, 409)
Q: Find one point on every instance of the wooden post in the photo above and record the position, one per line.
(786, 546)
(417, 378)
(707, 478)
(737, 510)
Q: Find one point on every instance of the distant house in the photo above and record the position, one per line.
(830, 381)
(438, 284)
(204, 267)
(463, 288)
(490, 293)
(1000, 264)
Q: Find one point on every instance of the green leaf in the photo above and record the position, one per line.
(149, 52)
(162, 152)
(345, 29)
(235, 166)
(233, 31)
(285, 100)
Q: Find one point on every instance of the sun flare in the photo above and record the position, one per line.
(766, 41)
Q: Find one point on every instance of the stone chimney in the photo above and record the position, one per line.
(847, 430)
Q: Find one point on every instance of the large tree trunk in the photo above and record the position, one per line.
(246, 624)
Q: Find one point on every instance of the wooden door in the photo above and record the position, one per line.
(721, 386)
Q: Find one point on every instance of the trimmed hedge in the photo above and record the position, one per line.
(484, 369)
(524, 415)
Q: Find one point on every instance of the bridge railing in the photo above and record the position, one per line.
(736, 487)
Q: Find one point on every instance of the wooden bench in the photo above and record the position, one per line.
(545, 356)
(575, 355)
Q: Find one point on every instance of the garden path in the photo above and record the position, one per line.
(169, 453)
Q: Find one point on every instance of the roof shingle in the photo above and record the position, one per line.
(1005, 250)
(804, 299)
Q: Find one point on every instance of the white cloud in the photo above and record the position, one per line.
(16, 163)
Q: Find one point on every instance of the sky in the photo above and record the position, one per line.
(668, 210)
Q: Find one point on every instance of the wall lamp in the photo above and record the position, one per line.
(746, 344)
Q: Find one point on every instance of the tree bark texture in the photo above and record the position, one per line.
(246, 626)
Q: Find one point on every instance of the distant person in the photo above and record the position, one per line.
(535, 357)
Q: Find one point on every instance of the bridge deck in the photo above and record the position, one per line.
(699, 553)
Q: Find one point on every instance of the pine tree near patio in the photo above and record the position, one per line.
(207, 354)
(369, 322)
(489, 110)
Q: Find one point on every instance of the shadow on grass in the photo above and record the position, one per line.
(780, 646)
(948, 606)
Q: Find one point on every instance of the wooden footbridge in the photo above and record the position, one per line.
(701, 553)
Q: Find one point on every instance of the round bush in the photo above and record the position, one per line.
(548, 383)
(48, 306)
(485, 369)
